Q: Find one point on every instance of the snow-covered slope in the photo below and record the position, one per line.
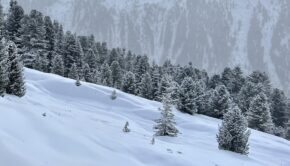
(83, 127)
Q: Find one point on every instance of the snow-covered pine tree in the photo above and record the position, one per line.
(116, 74)
(220, 101)
(49, 38)
(13, 22)
(106, 75)
(233, 133)
(165, 84)
(279, 108)
(146, 86)
(186, 102)
(88, 75)
(128, 83)
(259, 116)
(227, 78)
(214, 81)
(15, 84)
(57, 65)
(165, 125)
(126, 128)
(155, 82)
(73, 72)
(3, 68)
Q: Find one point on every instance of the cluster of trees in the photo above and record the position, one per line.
(11, 70)
(43, 45)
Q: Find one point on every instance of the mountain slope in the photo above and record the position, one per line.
(83, 126)
(212, 33)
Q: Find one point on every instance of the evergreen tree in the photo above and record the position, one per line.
(228, 78)
(49, 38)
(146, 86)
(259, 116)
(233, 133)
(126, 128)
(165, 84)
(247, 93)
(220, 101)
(238, 80)
(106, 75)
(128, 83)
(88, 75)
(116, 74)
(165, 125)
(15, 84)
(78, 82)
(73, 73)
(3, 69)
(155, 82)
(13, 23)
(57, 65)
(214, 81)
(279, 108)
(186, 97)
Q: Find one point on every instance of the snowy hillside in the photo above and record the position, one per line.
(82, 126)
(212, 34)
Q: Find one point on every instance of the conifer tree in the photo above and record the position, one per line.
(279, 110)
(88, 75)
(186, 102)
(165, 84)
(233, 133)
(15, 84)
(57, 65)
(116, 74)
(78, 82)
(259, 116)
(73, 73)
(114, 95)
(49, 38)
(3, 68)
(146, 86)
(106, 75)
(165, 125)
(128, 83)
(155, 82)
(13, 23)
(126, 128)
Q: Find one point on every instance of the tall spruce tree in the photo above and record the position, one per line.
(279, 108)
(259, 116)
(13, 23)
(165, 125)
(186, 95)
(3, 68)
(146, 86)
(15, 84)
(129, 83)
(233, 133)
(57, 65)
(116, 74)
(73, 73)
(106, 75)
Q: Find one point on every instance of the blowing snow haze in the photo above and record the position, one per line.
(212, 34)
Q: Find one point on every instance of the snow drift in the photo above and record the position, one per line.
(58, 123)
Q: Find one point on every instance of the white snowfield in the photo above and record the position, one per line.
(83, 127)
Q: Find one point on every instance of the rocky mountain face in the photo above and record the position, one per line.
(212, 34)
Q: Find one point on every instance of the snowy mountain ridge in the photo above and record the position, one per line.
(212, 34)
(57, 123)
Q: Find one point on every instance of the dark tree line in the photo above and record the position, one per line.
(43, 45)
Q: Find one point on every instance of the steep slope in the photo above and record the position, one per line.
(212, 33)
(83, 126)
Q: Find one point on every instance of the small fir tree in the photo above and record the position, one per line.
(126, 128)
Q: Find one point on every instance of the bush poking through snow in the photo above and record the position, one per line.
(78, 82)
(153, 140)
(114, 95)
(126, 129)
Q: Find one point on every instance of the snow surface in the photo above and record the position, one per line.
(83, 127)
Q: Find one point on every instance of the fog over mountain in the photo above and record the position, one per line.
(211, 33)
